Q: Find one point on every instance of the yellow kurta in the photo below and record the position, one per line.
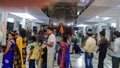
(19, 43)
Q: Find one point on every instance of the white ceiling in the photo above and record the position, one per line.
(111, 3)
(102, 8)
(36, 12)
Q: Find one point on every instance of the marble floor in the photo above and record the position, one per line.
(77, 61)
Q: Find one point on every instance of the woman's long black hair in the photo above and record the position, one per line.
(22, 32)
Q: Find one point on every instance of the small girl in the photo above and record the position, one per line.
(39, 55)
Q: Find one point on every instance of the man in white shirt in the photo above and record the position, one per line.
(50, 48)
(116, 50)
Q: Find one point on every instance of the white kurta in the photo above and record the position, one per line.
(51, 51)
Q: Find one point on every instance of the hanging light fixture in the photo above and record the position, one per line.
(84, 1)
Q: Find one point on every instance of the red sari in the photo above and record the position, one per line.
(63, 50)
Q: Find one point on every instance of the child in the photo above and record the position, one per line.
(39, 58)
(44, 56)
(32, 56)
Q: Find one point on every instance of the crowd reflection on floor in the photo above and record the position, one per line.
(77, 61)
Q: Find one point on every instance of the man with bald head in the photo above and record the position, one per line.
(89, 49)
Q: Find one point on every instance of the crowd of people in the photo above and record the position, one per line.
(103, 46)
(43, 49)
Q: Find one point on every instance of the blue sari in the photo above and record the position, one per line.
(67, 59)
(7, 61)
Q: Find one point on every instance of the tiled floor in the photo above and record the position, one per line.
(77, 61)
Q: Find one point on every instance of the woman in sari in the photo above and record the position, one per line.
(64, 55)
(62, 51)
(67, 58)
(8, 54)
(18, 50)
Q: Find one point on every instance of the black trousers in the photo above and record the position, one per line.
(101, 59)
(32, 63)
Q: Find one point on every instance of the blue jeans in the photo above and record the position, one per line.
(32, 63)
(88, 60)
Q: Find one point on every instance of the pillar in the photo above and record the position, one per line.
(118, 24)
(99, 29)
(84, 31)
(23, 23)
(3, 25)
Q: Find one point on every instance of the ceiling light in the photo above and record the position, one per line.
(10, 20)
(106, 18)
(71, 23)
(55, 24)
(119, 5)
(83, 1)
(97, 17)
(113, 25)
(78, 12)
(82, 25)
(23, 15)
(68, 24)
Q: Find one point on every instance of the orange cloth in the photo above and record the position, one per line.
(61, 29)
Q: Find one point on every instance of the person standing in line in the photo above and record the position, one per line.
(18, 55)
(62, 50)
(116, 50)
(24, 52)
(39, 55)
(51, 42)
(44, 55)
(102, 44)
(7, 61)
(67, 61)
(32, 55)
(89, 49)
